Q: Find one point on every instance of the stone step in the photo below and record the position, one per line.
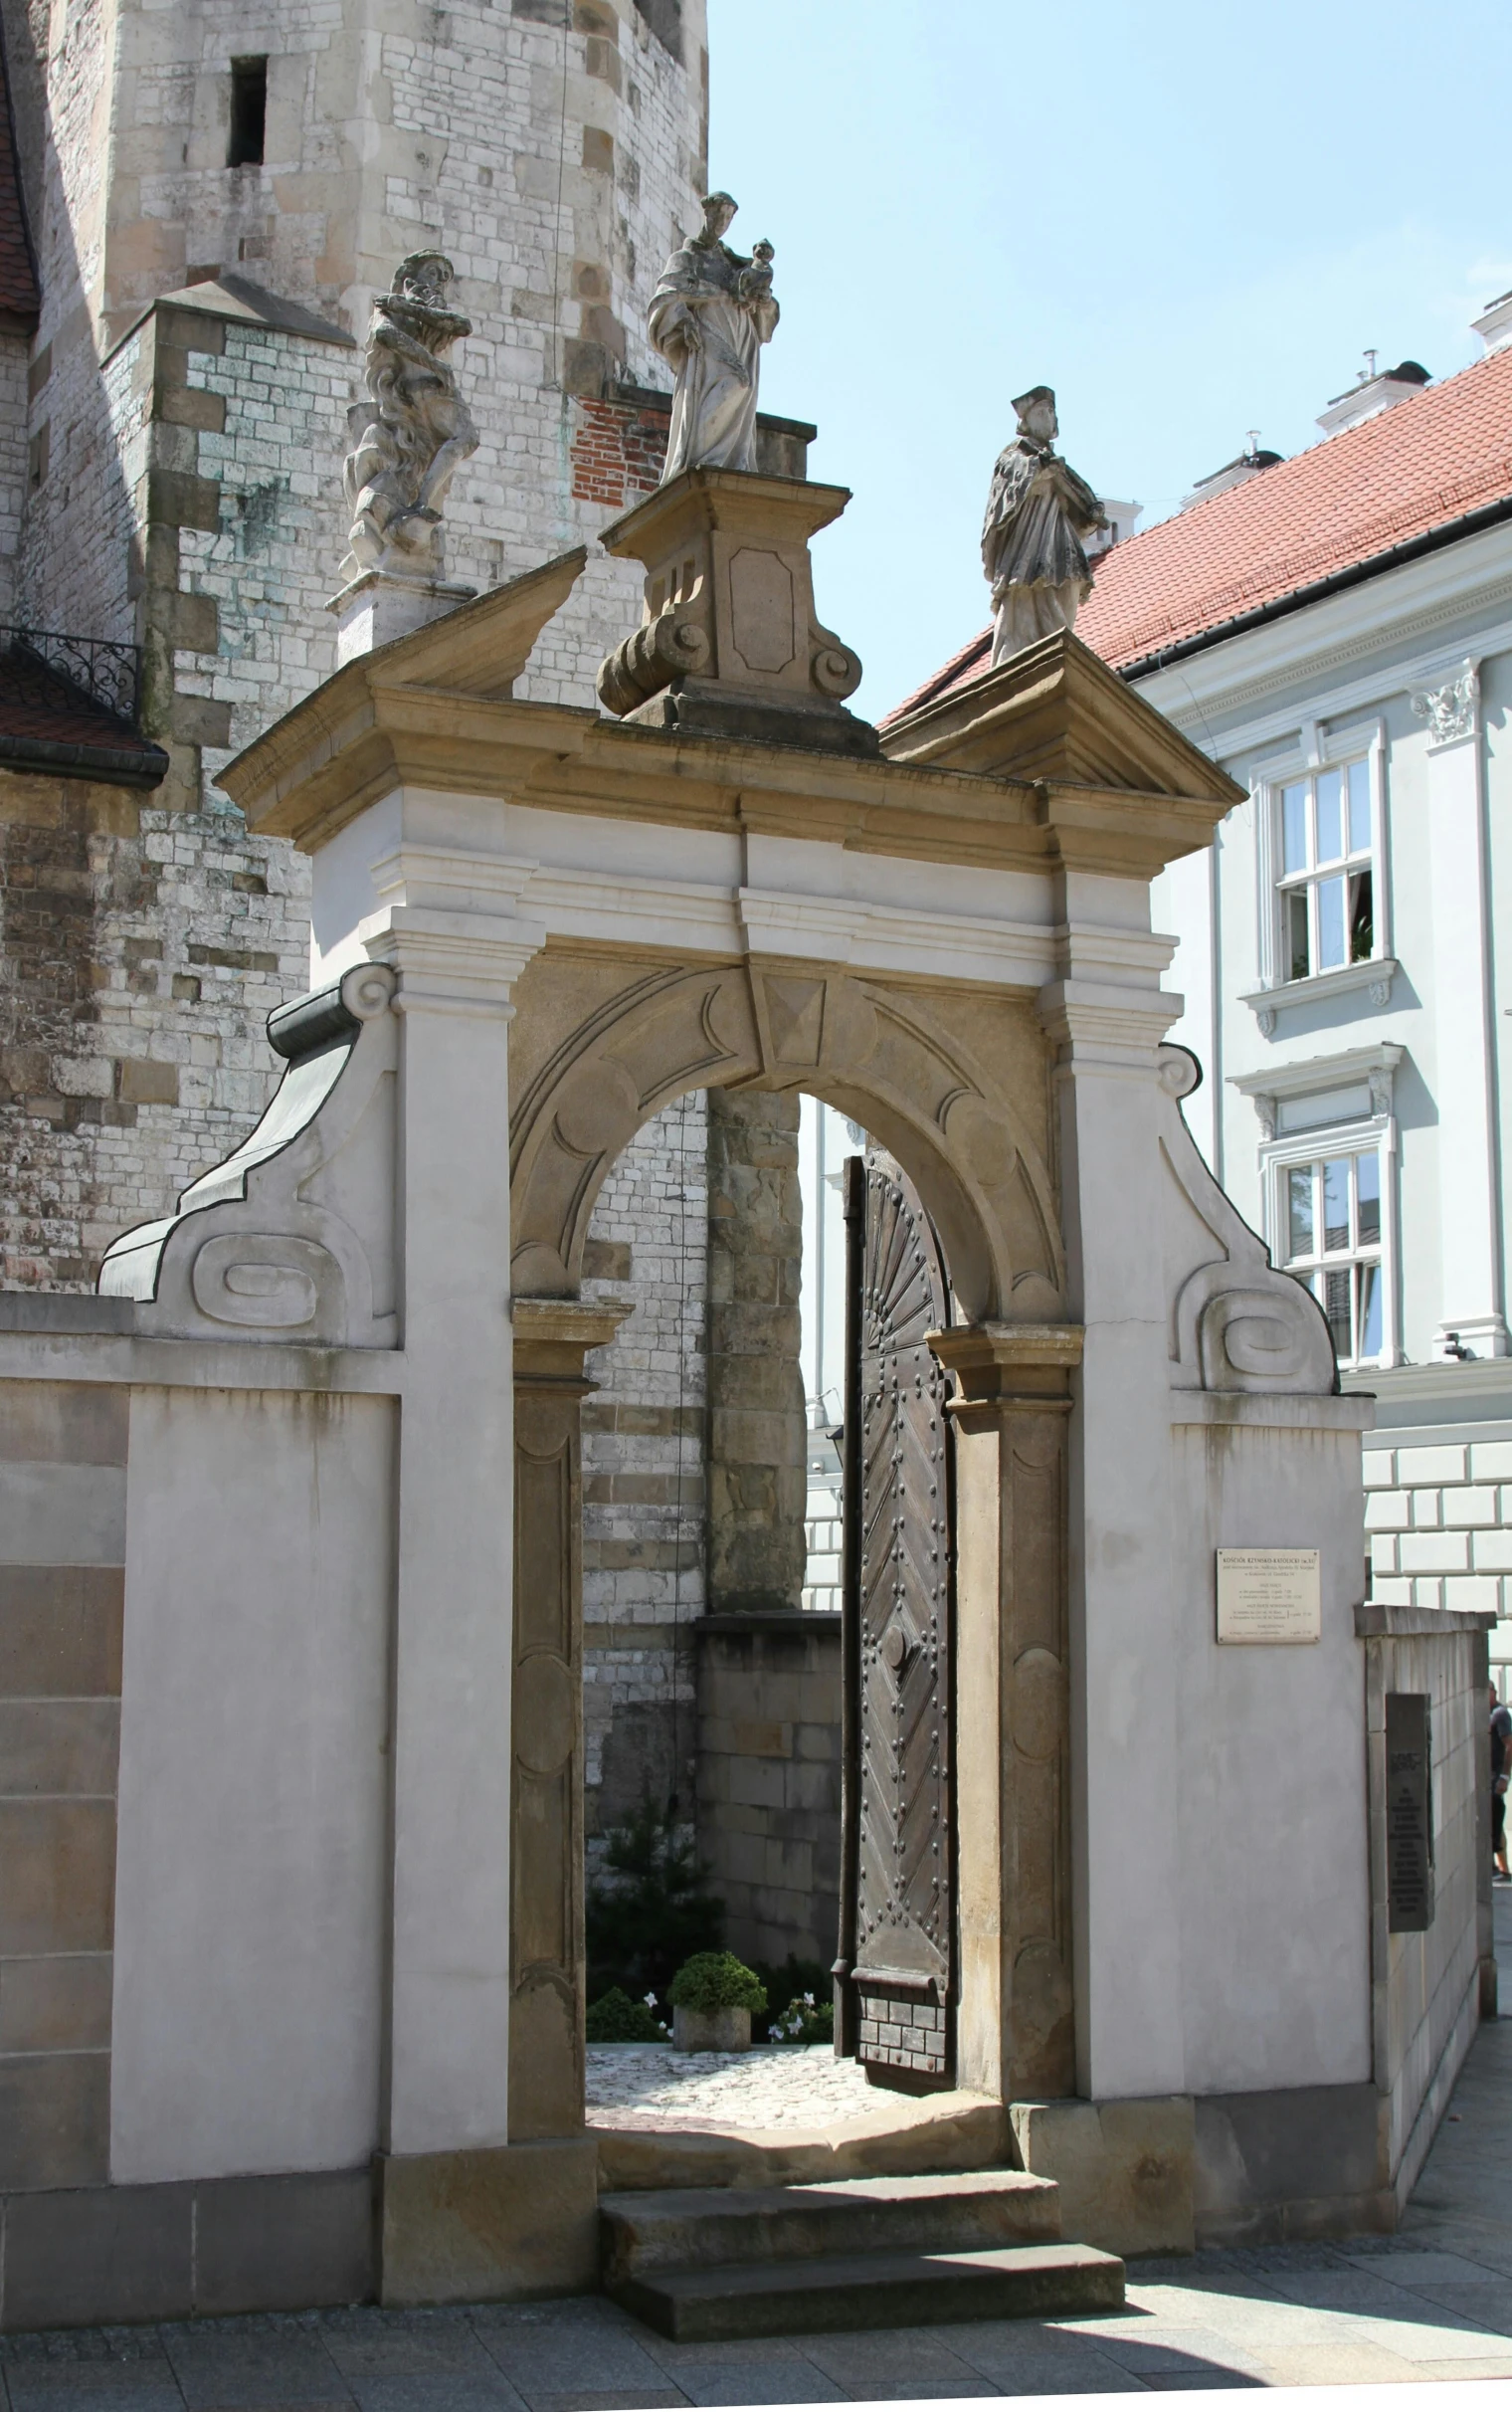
(698, 2228)
(875, 2291)
(901, 2136)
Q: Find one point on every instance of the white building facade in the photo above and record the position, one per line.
(1343, 950)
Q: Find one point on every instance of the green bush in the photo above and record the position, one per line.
(650, 1909)
(616, 2019)
(716, 1980)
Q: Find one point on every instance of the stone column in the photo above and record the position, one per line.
(757, 1462)
(1107, 1015)
(1017, 2029)
(1474, 1307)
(547, 1951)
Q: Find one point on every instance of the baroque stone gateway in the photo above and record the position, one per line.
(320, 1442)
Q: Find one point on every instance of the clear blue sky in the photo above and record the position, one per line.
(1190, 218)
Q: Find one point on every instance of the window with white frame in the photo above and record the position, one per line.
(1327, 881)
(1331, 1239)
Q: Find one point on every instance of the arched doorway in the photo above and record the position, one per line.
(603, 1041)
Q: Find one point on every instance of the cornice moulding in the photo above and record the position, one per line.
(1325, 638)
(1297, 1080)
(1378, 974)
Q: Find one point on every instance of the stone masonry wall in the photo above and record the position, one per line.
(15, 358)
(642, 1472)
(769, 1772)
(757, 1469)
(185, 468)
(1438, 1525)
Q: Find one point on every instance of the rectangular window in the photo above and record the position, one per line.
(1332, 1242)
(1327, 881)
(249, 112)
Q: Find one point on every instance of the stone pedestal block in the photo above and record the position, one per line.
(377, 607)
(493, 2226)
(1125, 2169)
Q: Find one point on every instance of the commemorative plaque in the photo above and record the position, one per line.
(1270, 1595)
(1409, 1812)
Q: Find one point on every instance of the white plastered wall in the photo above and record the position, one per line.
(1272, 1797)
(251, 1880)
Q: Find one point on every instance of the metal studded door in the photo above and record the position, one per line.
(896, 1965)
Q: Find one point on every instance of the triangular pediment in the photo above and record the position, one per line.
(1056, 711)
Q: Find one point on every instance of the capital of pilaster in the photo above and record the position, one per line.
(552, 1336)
(1009, 1368)
(450, 924)
(1096, 1024)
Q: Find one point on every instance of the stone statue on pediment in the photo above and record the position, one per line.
(415, 431)
(709, 316)
(1037, 513)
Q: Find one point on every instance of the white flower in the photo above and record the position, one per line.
(649, 2000)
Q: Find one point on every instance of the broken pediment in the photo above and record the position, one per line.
(1056, 712)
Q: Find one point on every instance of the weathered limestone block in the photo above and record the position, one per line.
(757, 1479)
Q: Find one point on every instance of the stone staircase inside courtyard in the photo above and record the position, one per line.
(702, 2264)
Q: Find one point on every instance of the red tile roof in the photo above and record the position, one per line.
(1422, 466)
(20, 293)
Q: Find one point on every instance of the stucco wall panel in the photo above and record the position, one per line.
(251, 1884)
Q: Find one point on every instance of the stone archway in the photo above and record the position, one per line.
(958, 1086)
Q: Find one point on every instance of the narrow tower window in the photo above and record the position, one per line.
(249, 112)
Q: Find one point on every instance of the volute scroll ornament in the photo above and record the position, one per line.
(1236, 1323)
(292, 1238)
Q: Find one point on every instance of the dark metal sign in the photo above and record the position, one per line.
(1409, 1812)
(897, 1929)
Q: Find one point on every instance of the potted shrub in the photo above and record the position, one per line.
(713, 1996)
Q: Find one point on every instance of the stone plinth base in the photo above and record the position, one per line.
(1125, 2169)
(497, 2224)
(378, 607)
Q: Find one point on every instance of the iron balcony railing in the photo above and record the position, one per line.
(109, 674)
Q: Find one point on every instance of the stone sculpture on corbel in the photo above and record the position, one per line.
(710, 315)
(1037, 513)
(409, 439)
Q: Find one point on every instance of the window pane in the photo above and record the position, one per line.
(1359, 807)
(1330, 923)
(1294, 828)
(1370, 1310)
(1368, 1190)
(1299, 1210)
(1336, 1202)
(1362, 917)
(1336, 1304)
(1296, 917)
(1330, 815)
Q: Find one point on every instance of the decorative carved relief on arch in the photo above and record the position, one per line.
(880, 1054)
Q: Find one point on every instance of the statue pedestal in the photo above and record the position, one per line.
(378, 606)
(729, 644)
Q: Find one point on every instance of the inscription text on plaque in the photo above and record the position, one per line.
(1270, 1595)
(1409, 1812)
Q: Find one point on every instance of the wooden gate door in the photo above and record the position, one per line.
(895, 1972)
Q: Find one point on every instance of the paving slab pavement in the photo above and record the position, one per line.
(1433, 2302)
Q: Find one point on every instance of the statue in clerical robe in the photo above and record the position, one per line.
(1037, 513)
(709, 316)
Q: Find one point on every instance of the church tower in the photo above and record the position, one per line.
(200, 202)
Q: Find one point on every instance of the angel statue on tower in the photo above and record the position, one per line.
(1037, 513)
(709, 316)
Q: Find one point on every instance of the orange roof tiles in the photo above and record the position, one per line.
(1422, 466)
